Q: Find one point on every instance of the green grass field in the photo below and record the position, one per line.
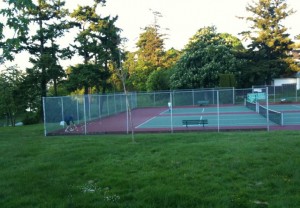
(231, 169)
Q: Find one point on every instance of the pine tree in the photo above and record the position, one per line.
(270, 42)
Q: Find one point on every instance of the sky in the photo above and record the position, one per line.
(184, 18)
(180, 19)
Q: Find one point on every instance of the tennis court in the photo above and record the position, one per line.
(228, 117)
(221, 110)
(233, 116)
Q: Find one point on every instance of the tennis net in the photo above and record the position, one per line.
(274, 116)
(251, 105)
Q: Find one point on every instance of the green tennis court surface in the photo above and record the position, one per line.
(227, 116)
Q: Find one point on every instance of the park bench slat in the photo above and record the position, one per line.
(195, 122)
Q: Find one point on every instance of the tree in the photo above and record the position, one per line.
(84, 76)
(47, 19)
(207, 55)
(149, 57)
(270, 43)
(97, 42)
(159, 79)
(12, 103)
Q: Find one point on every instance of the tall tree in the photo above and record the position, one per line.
(149, 56)
(36, 26)
(207, 55)
(160, 78)
(97, 43)
(270, 42)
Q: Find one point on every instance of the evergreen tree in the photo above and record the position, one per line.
(149, 57)
(97, 42)
(270, 42)
(47, 23)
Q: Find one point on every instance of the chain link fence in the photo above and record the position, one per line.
(120, 113)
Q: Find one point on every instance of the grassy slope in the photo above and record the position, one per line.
(232, 169)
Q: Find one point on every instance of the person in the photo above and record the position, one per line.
(70, 124)
(169, 106)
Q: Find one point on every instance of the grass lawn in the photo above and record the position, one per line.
(231, 169)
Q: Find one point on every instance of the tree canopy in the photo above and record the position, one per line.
(97, 43)
(207, 55)
(209, 59)
(270, 42)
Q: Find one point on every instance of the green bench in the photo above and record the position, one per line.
(195, 122)
(202, 102)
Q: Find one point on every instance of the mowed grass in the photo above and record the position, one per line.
(230, 169)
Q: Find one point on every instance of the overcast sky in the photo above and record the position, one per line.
(184, 18)
(180, 19)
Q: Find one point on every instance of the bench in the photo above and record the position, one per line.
(202, 102)
(195, 122)
(285, 100)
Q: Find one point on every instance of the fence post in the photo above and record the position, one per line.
(99, 105)
(84, 113)
(171, 111)
(45, 130)
(62, 110)
(218, 110)
(77, 105)
(193, 97)
(233, 95)
(107, 105)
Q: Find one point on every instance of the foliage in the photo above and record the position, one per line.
(227, 80)
(83, 76)
(148, 57)
(150, 46)
(159, 80)
(47, 24)
(270, 43)
(12, 102)
(97, 43)
(150, 61)
(31, 118)
(206, 56)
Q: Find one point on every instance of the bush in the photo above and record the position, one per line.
(31, 118)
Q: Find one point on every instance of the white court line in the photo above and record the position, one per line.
(163, 112)
(145, 122)
(296, 106)
(202, 112)
(151, 119)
